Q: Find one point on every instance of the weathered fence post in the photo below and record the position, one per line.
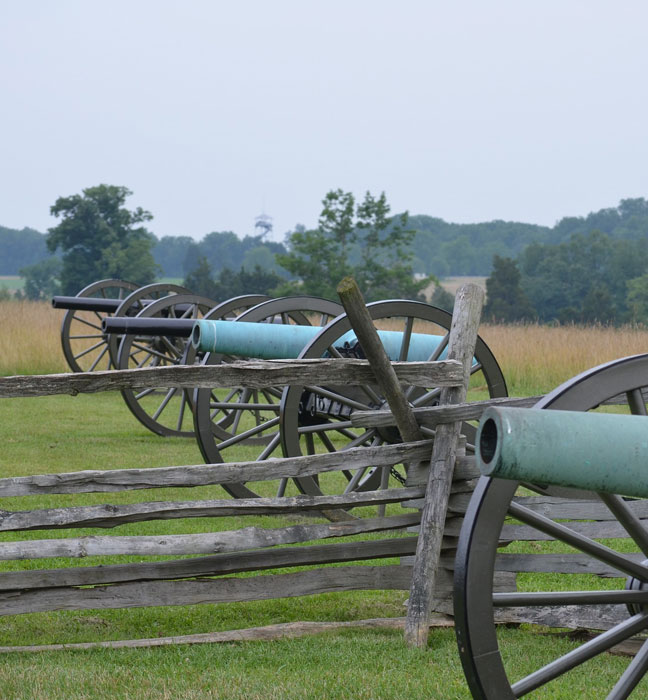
(354, 305)
(461, 346)
(362, 324)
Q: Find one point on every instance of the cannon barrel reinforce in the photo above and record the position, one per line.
(267, 341)
(594, 451)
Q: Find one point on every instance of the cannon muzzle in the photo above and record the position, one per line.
(593, 451)
(268, 341)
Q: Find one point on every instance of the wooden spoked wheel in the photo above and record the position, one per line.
(134, 303)
(84, 345)
(318, 419)
(603, 537)
(241, 423)
(165, 411)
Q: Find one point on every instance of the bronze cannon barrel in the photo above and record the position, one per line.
(601, 452)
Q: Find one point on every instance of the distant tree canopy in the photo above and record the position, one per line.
(590, 278)
(554, 280)
(361, 240)
(42, 278)
(228, 283)
(100, 238)
(506, 301)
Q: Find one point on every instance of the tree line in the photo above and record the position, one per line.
(98, 237)
(589, 275)
(442, 248)
(591, 278)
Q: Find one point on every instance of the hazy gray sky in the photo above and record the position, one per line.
(214, 111)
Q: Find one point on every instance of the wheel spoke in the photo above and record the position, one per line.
(329, 425)
(153, 352)
(443, 344)
(144, 393)
(636, 402)
(86, 337)
(164, 404)
(270, 447)
(630, 522)
(141, 363)
(351, 486)
(281, 491)
(580, 542)
(407, 337)
(427, 398)
(238, 406)
(326, 441)
(586, 651)
(183, 403)
(632, 675)
(248, 433)
(90, 349)
(98, 359)
(171, 347)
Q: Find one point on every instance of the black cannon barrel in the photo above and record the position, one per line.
(124, 325)
(86, 303)
(104, 305)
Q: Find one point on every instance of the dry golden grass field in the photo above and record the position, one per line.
(534, 358)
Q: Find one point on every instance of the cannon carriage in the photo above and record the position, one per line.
(592, 542)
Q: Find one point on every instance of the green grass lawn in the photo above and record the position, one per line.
(55, 434)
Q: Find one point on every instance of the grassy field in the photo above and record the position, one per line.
(11, 282)
(48, 435)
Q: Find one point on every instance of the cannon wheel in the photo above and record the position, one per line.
(485, 662)
(308, 426)
(84, 344)
(134, 303)
(162, 410)
(241, 417)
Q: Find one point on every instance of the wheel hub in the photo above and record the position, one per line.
(634, 584)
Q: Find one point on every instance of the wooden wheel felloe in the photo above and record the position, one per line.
(611, 599)
(243, 418)
(84, 345)
(315, 419)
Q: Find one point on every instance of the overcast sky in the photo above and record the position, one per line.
(213, 112)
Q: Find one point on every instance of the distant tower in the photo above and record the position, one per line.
(263, 223)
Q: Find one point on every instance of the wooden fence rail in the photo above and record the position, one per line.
(254, 374)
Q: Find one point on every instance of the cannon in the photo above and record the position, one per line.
(85, 345)
(590, 557)
(306, 420)
(158, 336)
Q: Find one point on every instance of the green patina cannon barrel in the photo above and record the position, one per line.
(593, 451)
(269, 341)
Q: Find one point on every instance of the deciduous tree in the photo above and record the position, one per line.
(100, 238)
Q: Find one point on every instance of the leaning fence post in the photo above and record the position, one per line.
(461, 346)
(362, 324)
